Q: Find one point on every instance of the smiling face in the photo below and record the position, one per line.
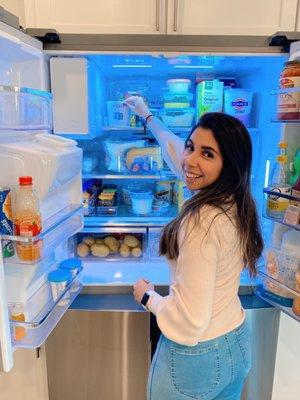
(202, 161)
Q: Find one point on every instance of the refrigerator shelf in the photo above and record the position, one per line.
(125, 218)
(33, 249)
(278, 295)
(34, 330)
(25, 108)
(285, 105)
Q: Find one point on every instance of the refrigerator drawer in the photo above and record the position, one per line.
(153, 244)
(31, 327)
(112, 244)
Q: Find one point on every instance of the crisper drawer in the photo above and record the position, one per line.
(112, 244)
(30, 329)
(153, 243)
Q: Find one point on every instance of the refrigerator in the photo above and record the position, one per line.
(83, 79)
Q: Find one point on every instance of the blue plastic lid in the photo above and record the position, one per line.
(59, 275)
(70, 263)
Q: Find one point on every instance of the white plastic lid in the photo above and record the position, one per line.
(179, 81)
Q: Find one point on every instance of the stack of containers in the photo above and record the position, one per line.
(177, 110)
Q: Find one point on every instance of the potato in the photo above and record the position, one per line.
(88, 240)
(112, 243)
(136, 252)
(124, 250)
(131, 241)
(83, 250)
(99, 241)
(99, 250)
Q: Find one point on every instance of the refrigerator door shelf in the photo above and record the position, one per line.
(285, 105)
(25, 109)
(47, 242)
(33, 332)
(271, 198)
(278, 295)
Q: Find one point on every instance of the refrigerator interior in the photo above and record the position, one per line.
(109, 77)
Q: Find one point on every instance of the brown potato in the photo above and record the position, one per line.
(112, 243)
(88, 240)
(99, 250)
(136, 252)
(124, 250)
(83, 249)
(131, 241)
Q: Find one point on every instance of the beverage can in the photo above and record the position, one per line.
(6, 224)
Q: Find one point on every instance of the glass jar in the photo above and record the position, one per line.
(288, 107)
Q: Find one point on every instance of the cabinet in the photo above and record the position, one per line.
(97, 16)
(231, 17)
(188, 17)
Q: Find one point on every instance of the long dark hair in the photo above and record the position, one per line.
(230, 190)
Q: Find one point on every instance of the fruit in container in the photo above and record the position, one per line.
(83, 249)
(89, 240)
(124, 250)
(136, 252)
(131, 241)
(112, 243)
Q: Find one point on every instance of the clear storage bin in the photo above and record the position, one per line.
(281, 266)
(112, 244)
(25, 108)
(177, 100)
(153, 244)
(37, 326)
(181, 117)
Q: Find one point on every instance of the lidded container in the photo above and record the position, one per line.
(59, 278)
(177, 100)
(288, 105)
(178, 85)
(73, 265)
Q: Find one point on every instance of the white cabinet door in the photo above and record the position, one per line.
(97, 16)
(231, 17)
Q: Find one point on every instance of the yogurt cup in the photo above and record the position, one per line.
(238, 103)
(59, 279)
(73, 265)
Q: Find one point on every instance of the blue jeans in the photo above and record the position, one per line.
(211, 370)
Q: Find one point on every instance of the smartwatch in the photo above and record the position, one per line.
(144, 300)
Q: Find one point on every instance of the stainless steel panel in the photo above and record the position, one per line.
(99, 355)
(264, 324)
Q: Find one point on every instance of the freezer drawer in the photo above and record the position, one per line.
(99, 355)
(112, 244)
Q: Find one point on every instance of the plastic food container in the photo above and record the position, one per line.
(178, 85)
(182, 117)
(238, 103)
(141, 202)
(177, 100)
(160, 207)
(118, 114)
(73, 265)
(59, 279)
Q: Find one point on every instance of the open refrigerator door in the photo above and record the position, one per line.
(37, 225)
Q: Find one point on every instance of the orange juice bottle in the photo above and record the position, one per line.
(18, 315)
(27, 220)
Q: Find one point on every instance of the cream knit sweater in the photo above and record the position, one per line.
(203, 298)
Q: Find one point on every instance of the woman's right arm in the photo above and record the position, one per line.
(172, 146)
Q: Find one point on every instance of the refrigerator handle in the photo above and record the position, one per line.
(5, 337)
(157, 15)
(175, 21)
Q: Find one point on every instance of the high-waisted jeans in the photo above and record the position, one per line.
(211, 370)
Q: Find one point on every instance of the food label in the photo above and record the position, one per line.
(276, 203)
(289, 102)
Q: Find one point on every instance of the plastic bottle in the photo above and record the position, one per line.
(282, 148)
(296, 162)
(17, 314)
(27, 220)
(278, 184)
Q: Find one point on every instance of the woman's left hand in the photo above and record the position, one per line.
(140, 287)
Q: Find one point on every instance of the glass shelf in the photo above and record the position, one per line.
(277, 294)
(57, 229)
(163, 174)
(34, 330)
(276, 196)
(126, 218)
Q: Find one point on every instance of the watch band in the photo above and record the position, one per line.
(144, 300)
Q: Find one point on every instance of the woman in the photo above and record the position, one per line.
(204, 349)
